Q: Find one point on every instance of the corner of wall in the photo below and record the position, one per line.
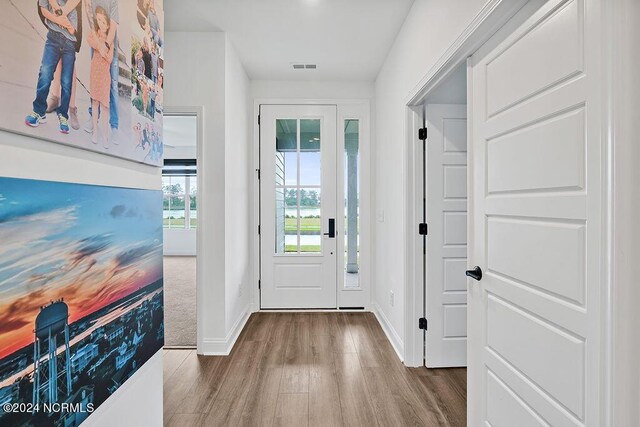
(223, 346)
(393, 336)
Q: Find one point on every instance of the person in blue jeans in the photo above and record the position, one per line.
(111, 6)
(61, 19)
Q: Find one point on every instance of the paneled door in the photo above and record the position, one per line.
(534, 328)
(446, 255)
(298, 155)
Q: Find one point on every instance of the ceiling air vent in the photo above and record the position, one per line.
(297, 66)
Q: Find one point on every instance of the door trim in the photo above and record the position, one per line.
(201, 304)
(346, 108)
(492, 17)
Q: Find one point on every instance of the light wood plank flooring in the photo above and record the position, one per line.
(316, 369)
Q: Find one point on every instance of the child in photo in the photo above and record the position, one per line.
(137, 130)
(154, 24)
(159, 94)
(145, 96)
(154, 63)
(100, 76)
(152, 100)
(61, 19)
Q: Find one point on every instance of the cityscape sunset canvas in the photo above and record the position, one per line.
(80, 284)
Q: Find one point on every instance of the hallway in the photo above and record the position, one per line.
(297, 369)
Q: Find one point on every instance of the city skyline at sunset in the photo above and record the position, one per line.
(88, 245)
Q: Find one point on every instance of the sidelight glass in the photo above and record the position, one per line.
(351, 203)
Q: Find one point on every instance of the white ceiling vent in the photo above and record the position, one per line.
(298, 66)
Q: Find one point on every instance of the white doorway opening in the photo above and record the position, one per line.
(180, 185)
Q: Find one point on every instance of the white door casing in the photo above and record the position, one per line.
(446, 254)
(297, 280)
(536, 228)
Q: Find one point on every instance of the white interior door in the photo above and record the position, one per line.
(446, 255)
(298, 206)
(534, 317)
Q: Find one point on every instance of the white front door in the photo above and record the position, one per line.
(534, 328)
(446, 255)
(298, 206)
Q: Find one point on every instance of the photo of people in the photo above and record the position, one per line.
(147, 63)
(95, 73)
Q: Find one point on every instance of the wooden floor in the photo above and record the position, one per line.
(317, 369)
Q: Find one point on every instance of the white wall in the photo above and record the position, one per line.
(204, 70)
(294, 89)
(194, 77)
(431, 26)
(179, 242)
(137, 403)
(140, 398)
(180, 152)
(238, 227)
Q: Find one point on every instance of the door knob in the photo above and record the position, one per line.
(476, 273)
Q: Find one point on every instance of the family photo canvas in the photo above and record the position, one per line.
(86, 73)
(81, 296)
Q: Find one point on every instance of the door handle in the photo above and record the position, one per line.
(475, 274)
(332, 228)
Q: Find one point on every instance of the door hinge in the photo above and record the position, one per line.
(422, 323)
(258, 230)
(422, 134)
(423, 229)
(258, 119)
(259, 284)
(258, 171)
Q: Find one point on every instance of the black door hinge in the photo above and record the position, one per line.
(259, 284)
(422, 134)
(258, 170)
(258, 230)
(258, 119)
(423, 229)
(422, 323)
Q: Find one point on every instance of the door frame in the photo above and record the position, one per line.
(346, 108)
(494, 16)
(198, 112)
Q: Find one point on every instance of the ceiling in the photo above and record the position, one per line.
(347, 39)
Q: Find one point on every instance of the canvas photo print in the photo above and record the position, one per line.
(81, 296)
(86, 73)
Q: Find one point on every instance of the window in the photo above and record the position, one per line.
(298, 186)
(352, 202)
(180, 188)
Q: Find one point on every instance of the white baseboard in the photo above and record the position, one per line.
(392, 335)
(223, 347)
